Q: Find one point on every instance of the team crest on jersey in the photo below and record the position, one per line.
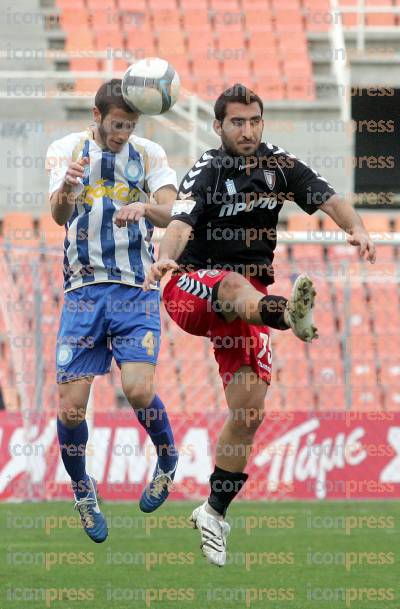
(133, 170)
(270, 178)
(230, 187)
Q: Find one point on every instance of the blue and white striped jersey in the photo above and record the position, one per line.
(95, 249)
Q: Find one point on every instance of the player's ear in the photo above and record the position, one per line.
(217, 125)
(96, 115)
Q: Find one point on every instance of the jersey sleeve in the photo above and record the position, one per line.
(158, 172)
(192, 196)
(305, 186)
(59, 155)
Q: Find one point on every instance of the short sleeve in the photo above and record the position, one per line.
(158, 172)
(192, 193)
(57, 160)
(307, 187)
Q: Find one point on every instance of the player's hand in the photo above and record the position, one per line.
(75, 171)
(366, 248)
(130, 213)
(158, 270)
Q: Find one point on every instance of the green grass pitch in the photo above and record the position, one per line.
(336, 555)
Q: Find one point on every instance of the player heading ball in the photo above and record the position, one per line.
(109, 188)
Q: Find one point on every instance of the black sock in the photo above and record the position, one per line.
(224, 488)
(271, 309)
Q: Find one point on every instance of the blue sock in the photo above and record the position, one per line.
(154, 420)
(73, 447)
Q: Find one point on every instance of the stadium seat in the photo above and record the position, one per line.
(171, 41)
(304, 222)
(333, 398)
(367, 398)
(73, 18)
(18, 228)
(50, 233)
(139, 6)
(287, 20)
(258, 19)
(348, 19)
(140, 42)
(299, 398)
(380, 19)
(82, 40)
(109, 39)
(84, 64)
(317, 15)
(166, 19)
(196, 20)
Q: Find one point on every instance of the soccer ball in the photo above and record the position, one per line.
(150, 86)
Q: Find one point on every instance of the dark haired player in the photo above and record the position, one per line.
(109, 188)
(238, 191)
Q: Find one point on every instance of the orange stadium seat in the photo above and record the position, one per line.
(109, 39)
(287, 20)
(154, 5)
(87, 86)
(50, 232)
(171, 41)
(380, 19)
(87, 64)
(318, 16)
(196, 19)
(70, 4)
(369, 397)
(82, 40)
(169, 19)
(304, 222)
(299, 398)
(139, 6)
(348, 19)
(233, 42)
(103, 4)
(73, 18)
(258, 19)
(140, 42)
(272, 89)
(103, 19)
(376, 222)
(18, 227)
(332, 399)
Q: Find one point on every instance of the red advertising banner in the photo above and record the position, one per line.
(297, 455)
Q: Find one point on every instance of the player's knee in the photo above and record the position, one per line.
(139, 395)
(230, 286)
(72, 407)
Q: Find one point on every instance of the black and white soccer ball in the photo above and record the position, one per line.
(150, 86)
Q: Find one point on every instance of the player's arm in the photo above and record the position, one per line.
(62, 200)
(161, 182)
(350, 221)
(311, 192)
(171, 247)
(159, 213)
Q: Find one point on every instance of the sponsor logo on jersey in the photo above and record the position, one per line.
(270, 178)
(118, 192)
(232, 209)
(230, 187)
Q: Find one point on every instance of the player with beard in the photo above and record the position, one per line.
(220, 247)
(110, 188)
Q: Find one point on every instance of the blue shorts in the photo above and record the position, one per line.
(100, 321)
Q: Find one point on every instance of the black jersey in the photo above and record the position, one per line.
(233, 204)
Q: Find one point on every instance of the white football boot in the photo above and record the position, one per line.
(299, 309)
(214, 531)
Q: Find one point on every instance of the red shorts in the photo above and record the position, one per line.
(188, 301)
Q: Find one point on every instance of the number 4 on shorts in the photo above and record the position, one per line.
(149, 342)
